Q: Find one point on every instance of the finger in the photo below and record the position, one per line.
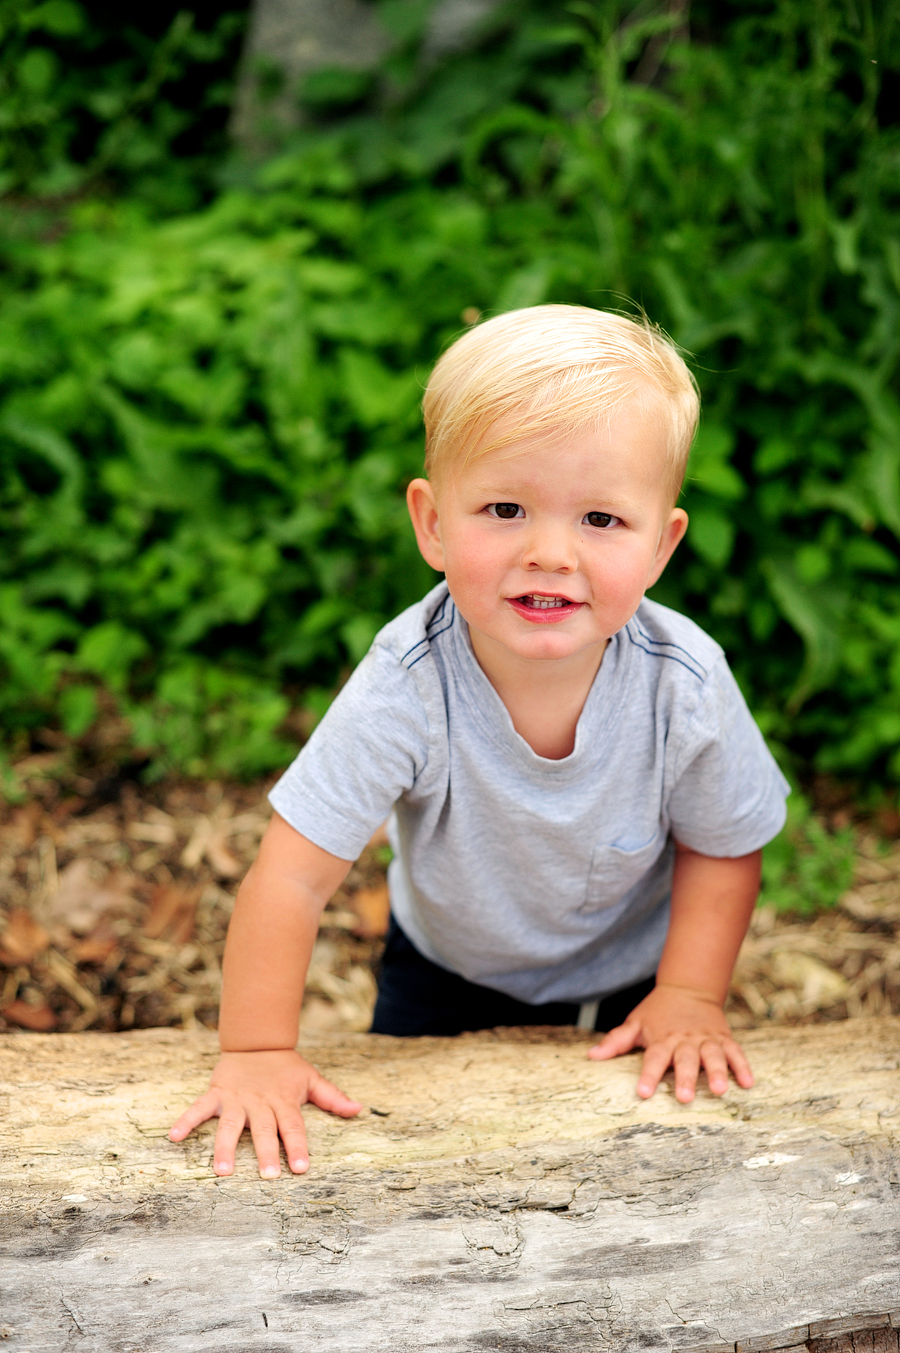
(653, 1068)
(327, 1096)
(623, 1038)
(687, 1069)
(292, 1131)
(264, 1131)
(231, 1124)
(202, 1109)
(715, 1064)
(738, 1063)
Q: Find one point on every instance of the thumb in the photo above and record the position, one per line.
(621, 1039)
(327, 1096)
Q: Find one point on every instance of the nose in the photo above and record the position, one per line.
(550, 548)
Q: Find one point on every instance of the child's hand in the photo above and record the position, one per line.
(680, 1029)
(263, 1091)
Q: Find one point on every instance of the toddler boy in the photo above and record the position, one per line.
(578, 794)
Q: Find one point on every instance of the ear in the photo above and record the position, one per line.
(669, 539)
(423, 510)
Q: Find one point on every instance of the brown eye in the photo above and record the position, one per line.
(506, 510)
(598, 518)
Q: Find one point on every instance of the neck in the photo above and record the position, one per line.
(544, 697)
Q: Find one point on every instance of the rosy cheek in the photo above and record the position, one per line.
(472, 561)
(622, 573)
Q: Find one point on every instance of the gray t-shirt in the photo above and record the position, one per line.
(547, 880)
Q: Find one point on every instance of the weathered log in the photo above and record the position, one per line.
(498, 1191)
(296, 37)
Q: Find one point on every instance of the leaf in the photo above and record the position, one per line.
(816, 615)
(109, 650)
(884, 481)
(868, 555)
(711, 534)
(86, 893)
(330, 88)
(526, 286)
(77, 709)
(373, 907)
(36, 70)
(514, 118)
(812, 563)
(63, 18)
(774, 454)
(171, 913)
(358, 634)
(848, 498)
(376, 394)
(39, 1018)
(22, 939)
(709, 465)
(49, 444)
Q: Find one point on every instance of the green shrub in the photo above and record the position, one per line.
(807, 868)
(206, 422)
(94, 99)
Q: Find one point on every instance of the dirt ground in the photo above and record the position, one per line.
(115, 899)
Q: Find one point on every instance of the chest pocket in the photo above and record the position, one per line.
(615, 871)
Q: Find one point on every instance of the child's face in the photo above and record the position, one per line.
(549, 546)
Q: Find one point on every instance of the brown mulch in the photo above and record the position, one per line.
(113, 916)
(840, 964)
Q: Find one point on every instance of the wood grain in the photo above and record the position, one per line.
(499, 1191)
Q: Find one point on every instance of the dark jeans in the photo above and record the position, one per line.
(415, 997)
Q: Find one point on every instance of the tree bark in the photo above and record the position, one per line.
(296, 37)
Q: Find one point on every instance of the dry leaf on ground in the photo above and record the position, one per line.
(22, 939)
(39, 1018)
(136, 933)
(373, 910)
(85, 892)
(172, 912)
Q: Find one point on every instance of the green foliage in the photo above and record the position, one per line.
(209, 721)
(186, 519)
(806, 868)
(206, 422)
(89, 102)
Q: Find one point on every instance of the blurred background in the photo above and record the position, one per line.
(234, 238)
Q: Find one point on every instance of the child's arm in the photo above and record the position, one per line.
(260, 1081)
(681, 1022)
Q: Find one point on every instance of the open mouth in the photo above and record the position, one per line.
(541, 606)
(542, 603)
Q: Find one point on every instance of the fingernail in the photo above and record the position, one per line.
(298, 1166)
(222, 1167)
(270, 1171)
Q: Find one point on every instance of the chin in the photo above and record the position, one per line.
(544, 647)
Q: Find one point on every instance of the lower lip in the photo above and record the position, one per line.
(544, 615)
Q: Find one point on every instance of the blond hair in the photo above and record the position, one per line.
(554, 369)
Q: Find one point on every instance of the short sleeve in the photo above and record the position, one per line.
(368, 750)
(727, 797)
